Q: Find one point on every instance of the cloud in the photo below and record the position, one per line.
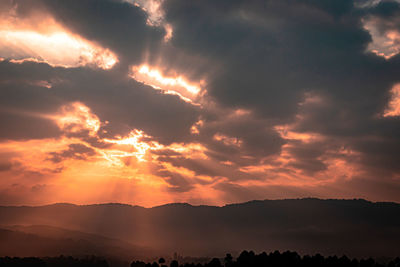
(74, 151)
(244, 99)
(393, 108)
(113, 96)
(5, 166)
(118, 25)
(29, 34)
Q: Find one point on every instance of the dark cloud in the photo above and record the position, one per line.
(112, 96)
(74, 151)
(267, 56)
(5, 166)
(238, 137)
(176, 182)
(38, 188)
(23, 103)
(200, 167)
(379, 156)
(386, 9)
(268, 68)
(311, 46)
(307, 157)
(234, 193)
(24, 127)
(115, 24)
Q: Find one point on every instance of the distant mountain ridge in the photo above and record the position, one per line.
(353, 227)
(202, 205)
(45, 241)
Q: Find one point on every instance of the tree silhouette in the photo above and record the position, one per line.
(174, 263)
(245, 259)
(228, 260)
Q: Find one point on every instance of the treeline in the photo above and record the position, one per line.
(61, 261)
(246, 259)
(276, 259)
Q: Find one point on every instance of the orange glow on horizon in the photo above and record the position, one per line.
(136, 169)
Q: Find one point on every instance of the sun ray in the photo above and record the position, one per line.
(47, 43)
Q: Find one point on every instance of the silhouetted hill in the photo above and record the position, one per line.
(357, 228)
(245, 259)
(41, 241)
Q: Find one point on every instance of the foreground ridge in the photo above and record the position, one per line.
(245, 259)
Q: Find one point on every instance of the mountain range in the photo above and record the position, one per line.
(356, 228)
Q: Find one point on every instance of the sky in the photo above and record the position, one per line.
(208, 102)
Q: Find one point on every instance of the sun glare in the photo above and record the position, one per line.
(76, 117)
(58, 48)
(168, 32)
(177, 85)
(135, 139)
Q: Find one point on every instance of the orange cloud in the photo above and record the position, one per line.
(177, 85)
(385, 44)
(393, 108)
(229, 141)
(135, 140)
(137, 169)
(76, 117)
(47, 41)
